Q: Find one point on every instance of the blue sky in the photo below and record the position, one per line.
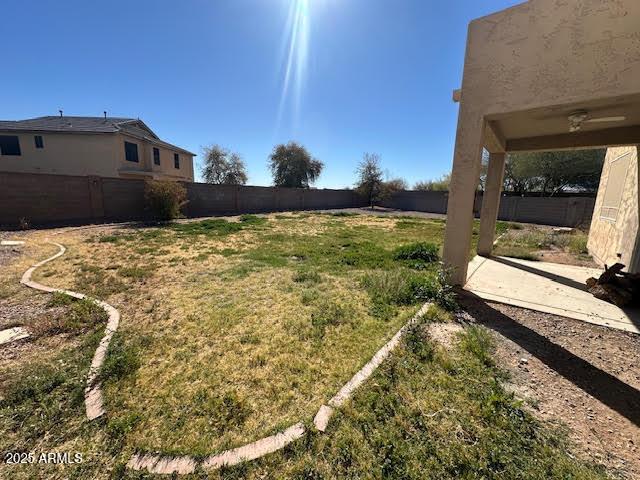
(366, 75)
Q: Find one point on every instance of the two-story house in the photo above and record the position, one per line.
(100, 146)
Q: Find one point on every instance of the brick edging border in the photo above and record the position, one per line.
(93, 399)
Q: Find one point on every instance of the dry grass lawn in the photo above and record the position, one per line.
(234, 328)
(241, 327)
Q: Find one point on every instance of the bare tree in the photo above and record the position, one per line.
(370, 184)
(223, 167)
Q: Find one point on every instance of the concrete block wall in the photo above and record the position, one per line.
(44, 198)
(569, 211)
(419, 201)
(60, 199)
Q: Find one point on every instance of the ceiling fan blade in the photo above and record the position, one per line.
(620, 118)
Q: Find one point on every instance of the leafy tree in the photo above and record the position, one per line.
(370, 184)
(438, 185)
(553, 172)
(223, 167)
(396, 184)
(293, 166)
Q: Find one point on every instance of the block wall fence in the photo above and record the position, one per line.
(60, 199)
(43, 199)
(565, 211)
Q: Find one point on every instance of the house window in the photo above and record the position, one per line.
(9, 145)
(39, 141)
(615, 187)
(156, 156)
(176, 160)
(131, 152)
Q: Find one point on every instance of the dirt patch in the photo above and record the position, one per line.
(573, 373)
(9, 252)
(444, 333)
(17, 313)
(556, 255)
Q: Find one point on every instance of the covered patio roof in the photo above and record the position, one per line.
(542, 75)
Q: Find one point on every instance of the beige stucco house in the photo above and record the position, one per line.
(615, 235)
(100, 146)
(542, 75)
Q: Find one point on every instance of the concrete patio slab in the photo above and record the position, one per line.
(546, 287)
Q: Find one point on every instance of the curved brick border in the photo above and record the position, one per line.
(93, 392)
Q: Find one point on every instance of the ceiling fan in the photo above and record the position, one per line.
(577, 118)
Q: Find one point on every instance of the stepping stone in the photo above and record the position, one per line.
(12, 334)
(321, 420)
(11, 243)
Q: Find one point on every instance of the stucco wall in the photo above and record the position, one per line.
(547, 52)
(166, 168)
(542, 53)
(63, 154)
(612, 241)
(91, 154)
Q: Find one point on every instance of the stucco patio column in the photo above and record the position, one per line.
(491, 203)
(465, 176)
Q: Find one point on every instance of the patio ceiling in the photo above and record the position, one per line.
(548, 127)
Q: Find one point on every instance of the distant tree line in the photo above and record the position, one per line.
(547, 173)
(291, 165)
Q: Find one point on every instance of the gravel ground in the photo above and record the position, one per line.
(7, 253)
(572, 373)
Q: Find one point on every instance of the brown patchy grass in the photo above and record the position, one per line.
(245, 330)
(535, 243)
(230, 332)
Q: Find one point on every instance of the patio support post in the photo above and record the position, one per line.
(465, 176)
(491, 203)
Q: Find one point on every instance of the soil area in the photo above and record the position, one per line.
(572, 373)
(9, 252)
(556, 255)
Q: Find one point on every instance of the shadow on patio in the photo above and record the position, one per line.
(546, 287)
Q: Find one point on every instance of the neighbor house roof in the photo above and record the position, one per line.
(65, 124)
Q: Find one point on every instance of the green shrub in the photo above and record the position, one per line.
(164, 198)
(213, 226)
(248, 219)
(137, 272)
(122, 360)
(330, 313)
(417, 253)
(476, 341)
(80, 315)
(307, 276)
(59, 299)
(404, 287)
(578, 244)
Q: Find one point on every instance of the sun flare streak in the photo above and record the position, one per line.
(296, 53)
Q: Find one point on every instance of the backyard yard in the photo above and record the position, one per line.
(233, 329)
